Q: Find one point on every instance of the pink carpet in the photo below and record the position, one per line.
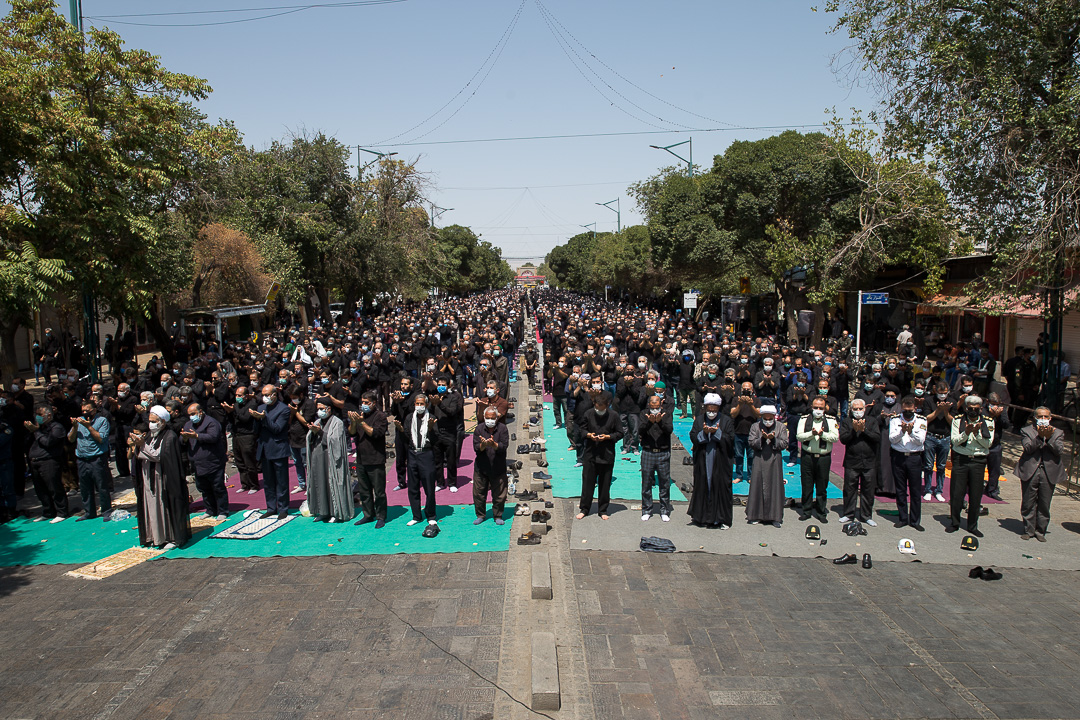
(239, 500)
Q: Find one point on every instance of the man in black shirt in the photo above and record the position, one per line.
(938, 412)
(48, 445)
(656, 428)
(245, 440)
(369, 425)
(744, 413)
(861, 436)
(600, 429)
(490, 441)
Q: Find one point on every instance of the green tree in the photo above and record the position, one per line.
(990, 92)
(99, 146)
(467, 263)
(571, 263)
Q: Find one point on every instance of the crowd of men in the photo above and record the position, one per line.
(618, 374)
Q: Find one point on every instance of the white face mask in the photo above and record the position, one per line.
(1042, 422)
(490, 392)
(323, 414)
(122, 394)
(267, 399)
(490, 422)
(155, 427)
(818, 414)
(420, 410)
(858, 414)
(767, 423)
(654, 411)
(711, 415)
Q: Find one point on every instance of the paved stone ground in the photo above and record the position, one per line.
(706, 636)
(275, 638)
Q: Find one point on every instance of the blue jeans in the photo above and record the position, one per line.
(742, 447)
(935, 452)
(301, 467)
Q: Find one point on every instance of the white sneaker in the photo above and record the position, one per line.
(252, 492)
(871, 522)
(927, 497)
(56, 520)
(412, 522)
(169, 546)
(728, 527)
(665, 518)
(645, 517)
(453, 488)
(939, 497)
(844, 519)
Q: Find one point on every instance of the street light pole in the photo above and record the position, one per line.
(379, 156)
(435, 216)
(617, 210)
(689, 162)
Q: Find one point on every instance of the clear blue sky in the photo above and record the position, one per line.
(365, 74)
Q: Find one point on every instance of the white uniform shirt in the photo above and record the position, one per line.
(904, 441)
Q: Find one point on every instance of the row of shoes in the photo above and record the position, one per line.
(852, 559)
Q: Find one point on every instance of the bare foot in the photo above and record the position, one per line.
(579, 516)
(605, 517)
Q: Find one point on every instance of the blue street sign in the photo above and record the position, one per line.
(875, 298)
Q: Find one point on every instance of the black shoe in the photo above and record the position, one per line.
(267, 514)
(379, 524)
(991, 574)
(529, 538)
(283, 514)
(541, 516)
(976, 532)
(513, 436)
(430, 531)
(527, 496)
(951, 529)
(995, 495)
(804, 517)
(86, 517)
(975, 572)
(917, 526)
(899, 524)
(848, 559)
(867, 563)
(542, 463)
(541, 475)
(549, 504)
(824, 520)
(364, 521)
(984, 511)
(687, 460)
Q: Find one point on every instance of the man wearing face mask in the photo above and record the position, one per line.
(745, 413)
(938, 441)
(797, 402)
(369, 425)
(871, 396)
(907, 434)
(123, 408)
(90, 433)
(48, 458)
(1040, 468)
(656, 428)
(861, 436)
(627, 391)
(490, 441)
(996, 411)
(420, 437)
(245, 439)
(972, 434)
(400, 408)
(817, 432)
(560, 373)
(601, 430)
(765, 499)
(272, 421)
(206, 448)
(767, 381)
(712, 443)
(448, 407)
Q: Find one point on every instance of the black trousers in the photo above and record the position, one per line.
(49, 486)
(859, 486)
(907, 476)
(401, 457)
(212, 488)
(447, 455)
(481, 485)
(123, 464)
(421, 474)
(276, 484)
(967, 479)
(371, 484)
(595, 478)
(993, 467)
(243, 449)
(815, 481)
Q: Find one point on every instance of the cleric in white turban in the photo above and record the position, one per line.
(160, 484)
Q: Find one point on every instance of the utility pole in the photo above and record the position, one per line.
(90, 328)
(378, 156)
(689, 162)
(436, 215)
(617, 210)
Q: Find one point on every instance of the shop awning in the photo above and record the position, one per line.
(1030, 305)
(946, 304)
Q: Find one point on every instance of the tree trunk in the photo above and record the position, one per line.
(790, 313)
(161, 335)
(9, 363)
(817, 338)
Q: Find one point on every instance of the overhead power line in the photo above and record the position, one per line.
(614, 134)
(274, 11)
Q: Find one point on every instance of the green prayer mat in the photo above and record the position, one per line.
(25, 542)
(566, 479)
(304, 537)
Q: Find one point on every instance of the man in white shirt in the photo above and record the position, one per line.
(907, 433)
